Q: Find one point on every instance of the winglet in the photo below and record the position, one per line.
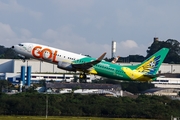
(115, 59)
(101, 57)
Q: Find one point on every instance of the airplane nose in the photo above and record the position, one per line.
(12, 47)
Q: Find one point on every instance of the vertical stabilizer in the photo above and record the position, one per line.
(151, 65)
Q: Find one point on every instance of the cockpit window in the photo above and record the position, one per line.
(20, 44)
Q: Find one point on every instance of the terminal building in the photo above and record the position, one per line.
(10, 69)
(44, 70)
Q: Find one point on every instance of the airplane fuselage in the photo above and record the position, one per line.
(54, 55)
(76, 62)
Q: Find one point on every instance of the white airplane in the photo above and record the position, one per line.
(146, 71)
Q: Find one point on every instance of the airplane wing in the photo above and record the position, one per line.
(88, 65)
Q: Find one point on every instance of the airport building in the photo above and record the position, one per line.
(162, 92)
(10, 69)
(14, 66)
(83, 88)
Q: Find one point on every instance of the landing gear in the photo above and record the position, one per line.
(82, 77)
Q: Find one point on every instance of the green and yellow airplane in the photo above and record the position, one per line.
(146, 71)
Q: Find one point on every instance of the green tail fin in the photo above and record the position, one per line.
(151, 65)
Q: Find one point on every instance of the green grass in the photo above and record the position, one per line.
(61, 118)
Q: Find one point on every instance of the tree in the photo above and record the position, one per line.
(5, 85)
(7, 53)
(174, 50)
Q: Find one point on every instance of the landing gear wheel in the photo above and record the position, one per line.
(82, 77)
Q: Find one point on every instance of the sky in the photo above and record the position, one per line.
(89, 26)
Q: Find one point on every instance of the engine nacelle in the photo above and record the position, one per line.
(65, 66)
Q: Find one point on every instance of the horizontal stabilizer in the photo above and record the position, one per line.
(151, 76)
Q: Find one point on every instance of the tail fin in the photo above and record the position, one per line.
(151, 65)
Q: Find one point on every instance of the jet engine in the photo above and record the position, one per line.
(65, 66)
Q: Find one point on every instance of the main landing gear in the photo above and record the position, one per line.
(82, 78)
